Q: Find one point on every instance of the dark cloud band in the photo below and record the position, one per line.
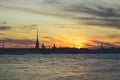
(5, 28)
(17, 41)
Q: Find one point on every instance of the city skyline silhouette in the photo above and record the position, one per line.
(40, 48)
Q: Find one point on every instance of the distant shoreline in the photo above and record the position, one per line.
(18, 51)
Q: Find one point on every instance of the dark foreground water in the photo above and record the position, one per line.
(60, 67)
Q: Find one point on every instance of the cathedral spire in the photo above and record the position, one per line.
(37, 41)
(37, 36)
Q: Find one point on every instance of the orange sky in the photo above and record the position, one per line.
(65, 23)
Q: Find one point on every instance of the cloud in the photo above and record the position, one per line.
(30, 27)
(52, 1)
(117, 42)
(96, 10)
(2, 34)
(85, 12)
(20, 8)
(97, 44)
(5, 28)
(104, 43)
(4, 22)
(44, 41)
(51, 39)
(114, 36)
(96, 15)
(89, 45)
(68, 26)
(38, 7)
(17, 41)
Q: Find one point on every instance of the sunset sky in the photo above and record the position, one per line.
(66, 23)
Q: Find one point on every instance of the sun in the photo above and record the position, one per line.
(78, 44)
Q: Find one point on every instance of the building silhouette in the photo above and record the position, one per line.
(37, 41)
(54, 46)
(3, 46)
(43, 46)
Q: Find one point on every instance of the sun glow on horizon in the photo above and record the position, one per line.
(78, 44)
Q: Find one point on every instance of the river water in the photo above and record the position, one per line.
(60, 67)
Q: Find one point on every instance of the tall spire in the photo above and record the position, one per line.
(37, 36)
(37, 41)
